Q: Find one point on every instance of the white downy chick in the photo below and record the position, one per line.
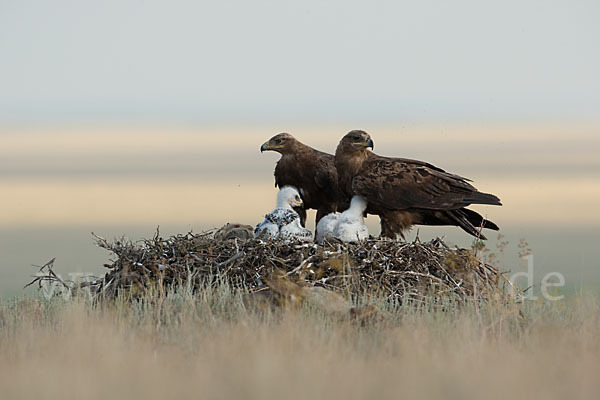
(283, 221)
(326, 227)
(351, 223)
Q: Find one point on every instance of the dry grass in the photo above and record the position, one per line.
(208, 346)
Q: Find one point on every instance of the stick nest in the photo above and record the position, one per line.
(398, 270)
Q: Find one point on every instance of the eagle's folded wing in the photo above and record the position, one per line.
(401, 184)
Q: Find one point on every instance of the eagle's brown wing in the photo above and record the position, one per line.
(402, 184)
(326, 176)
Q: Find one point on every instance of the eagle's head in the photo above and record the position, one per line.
(280, 143)
(356, 140)
(288, 197)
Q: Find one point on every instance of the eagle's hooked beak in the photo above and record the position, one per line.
(365, 144)
(267, 146)
(299, 203)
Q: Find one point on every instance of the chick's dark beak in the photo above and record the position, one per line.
(370, 143)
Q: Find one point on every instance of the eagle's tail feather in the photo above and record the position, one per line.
(483, 198)
(462, 221)
(478, 221)
(471, 222)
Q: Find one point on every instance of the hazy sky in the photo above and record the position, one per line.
(235, 61)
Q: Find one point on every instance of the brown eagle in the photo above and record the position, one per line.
(311, 171)
(407, 192)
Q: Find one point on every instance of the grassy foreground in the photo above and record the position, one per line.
(209, 346)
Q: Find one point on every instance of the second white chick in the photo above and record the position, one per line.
(348, 226)
(326, 227)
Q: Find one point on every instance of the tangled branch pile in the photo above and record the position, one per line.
(394, 269)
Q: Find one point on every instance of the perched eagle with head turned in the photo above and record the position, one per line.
(311, 171)
(407, 192)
